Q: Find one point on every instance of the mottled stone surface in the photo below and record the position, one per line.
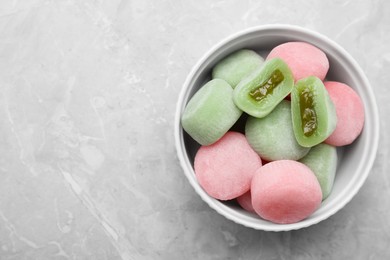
(88, 167)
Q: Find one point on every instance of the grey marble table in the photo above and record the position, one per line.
(88, 167)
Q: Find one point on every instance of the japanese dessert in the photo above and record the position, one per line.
(260, 92)
(245, 201)
(285, 192)
(211, 112)
(313, 113)
(322, 160)
(225, 168)
(303, 59)
(242, 119)
(272, 137)
(237, 66)
(350, 113)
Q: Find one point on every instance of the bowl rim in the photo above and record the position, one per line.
(228, 212)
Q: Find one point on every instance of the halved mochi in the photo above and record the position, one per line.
(260, 92)
(313, 112)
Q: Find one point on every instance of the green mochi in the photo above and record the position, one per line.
(272, 137)
(313, 112)
(211, 112)
(260, 92)
(322, 160)
(237, 66)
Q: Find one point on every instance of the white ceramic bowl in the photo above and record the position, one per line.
(355, 161)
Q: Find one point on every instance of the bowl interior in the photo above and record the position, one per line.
(355, 160)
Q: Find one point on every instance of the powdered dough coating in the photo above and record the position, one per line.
(349, 111)
(272, 137)
(211, 112)
(225, 169)
(285, 192)
(245, 201)
(237, 66)
(303, 59)
(322, 160)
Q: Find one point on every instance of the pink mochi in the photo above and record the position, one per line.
(245, 201)
(349, 111)
(225, 168)
(303, 59)
(285, 192)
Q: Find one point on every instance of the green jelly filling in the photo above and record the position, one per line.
(267, 88)
(308, 113)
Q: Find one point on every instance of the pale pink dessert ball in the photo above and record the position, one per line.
(303, 59)
(349, 111)
(225, 168)
(285, 192)
(245, 201)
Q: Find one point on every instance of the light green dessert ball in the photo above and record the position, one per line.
(272, 137)
(237, 66)
(322, 160)
(211, 112)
